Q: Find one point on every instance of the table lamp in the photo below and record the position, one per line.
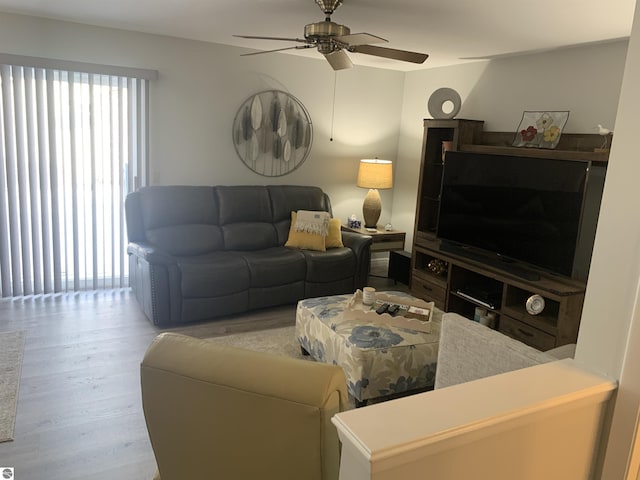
(374, 174)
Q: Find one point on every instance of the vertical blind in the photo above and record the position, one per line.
(73, 144)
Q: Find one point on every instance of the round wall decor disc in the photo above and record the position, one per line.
(272, 133)
(535, 304)
(439, 98)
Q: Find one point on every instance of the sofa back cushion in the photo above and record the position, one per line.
(188, 220)
(243, 203)
(291, 198)
(245, 217)
(186, 240)
(181, 220)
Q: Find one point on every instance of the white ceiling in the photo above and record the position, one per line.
(450, 32)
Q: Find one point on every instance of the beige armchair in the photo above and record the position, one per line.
(218, 412)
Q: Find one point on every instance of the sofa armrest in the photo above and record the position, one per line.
(216, 411)
(150, 253)
(361, 246)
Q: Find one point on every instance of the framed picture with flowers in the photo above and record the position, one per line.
(540, 129)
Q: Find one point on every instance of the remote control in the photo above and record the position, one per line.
(382, 308)
(393, 309)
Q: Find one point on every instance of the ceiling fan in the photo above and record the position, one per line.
(334, 40)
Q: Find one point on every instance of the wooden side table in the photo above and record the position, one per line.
(383, 240)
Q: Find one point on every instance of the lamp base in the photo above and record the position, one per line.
(371, 208)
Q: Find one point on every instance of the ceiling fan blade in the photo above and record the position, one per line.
(296, 47)
(392, 53)
(339, 60)
(257, 37)
(360, 39)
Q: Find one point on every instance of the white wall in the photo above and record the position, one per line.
(200, 88)
(584, 80)
(377, 112)
(609, 339)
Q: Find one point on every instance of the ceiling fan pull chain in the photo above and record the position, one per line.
(333, 106)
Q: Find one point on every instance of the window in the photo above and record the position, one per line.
(73, 144)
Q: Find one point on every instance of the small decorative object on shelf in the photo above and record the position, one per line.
(437, 266)
(535, 304)
(444, 97)
(606, 135)
(353, 222)
(485, 317)
(540, 129)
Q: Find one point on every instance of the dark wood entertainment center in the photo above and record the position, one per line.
(559, 321)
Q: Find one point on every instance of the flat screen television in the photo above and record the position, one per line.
(514, 209)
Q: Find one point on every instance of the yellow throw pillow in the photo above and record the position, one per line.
(304, 240)
(334, 237)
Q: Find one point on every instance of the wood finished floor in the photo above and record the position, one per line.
(79, 411)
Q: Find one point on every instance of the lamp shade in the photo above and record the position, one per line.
(375, 173)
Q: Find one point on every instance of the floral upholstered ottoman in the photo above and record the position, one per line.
(378, 360)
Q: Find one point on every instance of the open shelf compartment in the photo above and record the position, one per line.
(515, 306)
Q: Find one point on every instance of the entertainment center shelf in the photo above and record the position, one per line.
(464, 279)
(538, 152)
(459, 283)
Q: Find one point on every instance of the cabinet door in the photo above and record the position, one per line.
(429, 277)
(526, 333)
(429, 291)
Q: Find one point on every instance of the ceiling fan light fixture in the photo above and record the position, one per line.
(324, 30)
(334, 41)
(329, 6)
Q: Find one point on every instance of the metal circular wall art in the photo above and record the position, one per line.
(272, 133)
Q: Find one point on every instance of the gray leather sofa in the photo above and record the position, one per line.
(200, 252)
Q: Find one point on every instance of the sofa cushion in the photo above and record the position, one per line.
(214, 275)
(183, 240)
(249, 236)
(275, 266)
(334, 264)
(288, 198)
(243, 203)
(162, 206)
(334, 238)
